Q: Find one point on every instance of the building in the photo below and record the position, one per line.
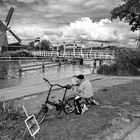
(3, 38)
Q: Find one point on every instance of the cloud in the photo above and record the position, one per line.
(84, 28)
(66, 19)
(26, 1)
(103, 30)
(60, 12)
(26, 33)
(1, 2)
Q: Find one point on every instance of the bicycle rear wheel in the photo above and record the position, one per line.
(69, 106)
(41, 115)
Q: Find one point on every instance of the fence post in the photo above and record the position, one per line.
(43, 65)
(20, 67)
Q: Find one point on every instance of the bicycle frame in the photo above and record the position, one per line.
(41, 115)
(59, 106)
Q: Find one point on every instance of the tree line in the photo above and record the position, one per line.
(44, 45)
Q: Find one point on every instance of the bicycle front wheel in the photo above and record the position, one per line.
(41, 115)
(69, 106)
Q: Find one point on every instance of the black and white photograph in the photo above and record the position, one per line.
(74, 65)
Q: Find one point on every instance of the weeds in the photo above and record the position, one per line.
(11, 120)
(127, 62)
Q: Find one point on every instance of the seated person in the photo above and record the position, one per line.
(84, 89)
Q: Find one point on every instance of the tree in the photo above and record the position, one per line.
(31, 45)
(46, 45)
(129, 11)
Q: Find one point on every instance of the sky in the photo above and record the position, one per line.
(63, 20)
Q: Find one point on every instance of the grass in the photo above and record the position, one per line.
(113, 119)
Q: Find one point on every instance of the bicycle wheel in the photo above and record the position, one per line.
(69, 106)
(41, 115)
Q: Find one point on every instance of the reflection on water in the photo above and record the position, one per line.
(8, 70)
(9, 75)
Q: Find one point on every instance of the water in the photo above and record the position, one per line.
(10, 77)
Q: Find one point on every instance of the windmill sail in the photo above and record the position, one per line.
(2, 27)
(8, 18)
(17, 38)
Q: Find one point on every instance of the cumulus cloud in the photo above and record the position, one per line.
(33, 18)
(33, 30)
(84, 28)
(58, 12)
(103, 30)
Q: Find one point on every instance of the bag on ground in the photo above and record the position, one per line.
(79, 105)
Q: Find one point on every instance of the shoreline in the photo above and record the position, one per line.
(104, 83)
(107, 107)
(115, 117)
(40, 87)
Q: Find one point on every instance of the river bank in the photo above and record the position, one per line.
(116, 118)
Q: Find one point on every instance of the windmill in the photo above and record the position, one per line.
(4, 27)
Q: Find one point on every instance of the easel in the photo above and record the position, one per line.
(27, 125)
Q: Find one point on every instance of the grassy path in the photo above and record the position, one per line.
(116, 117)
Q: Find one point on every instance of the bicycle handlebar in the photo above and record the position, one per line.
(66, 86)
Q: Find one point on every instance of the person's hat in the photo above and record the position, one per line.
(80, 77)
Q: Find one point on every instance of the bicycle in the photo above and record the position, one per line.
(66, 105)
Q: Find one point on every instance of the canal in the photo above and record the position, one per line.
(10, 77)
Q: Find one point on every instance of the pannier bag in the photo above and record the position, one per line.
(80, 107)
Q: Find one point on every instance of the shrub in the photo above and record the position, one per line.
(127, 62)
(4, 54)
(21, 54)
(108, 69)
